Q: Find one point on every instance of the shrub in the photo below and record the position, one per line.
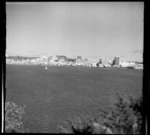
(137, 106)
(84, 125)
(125, 118)
(77, 125)
(13, 118)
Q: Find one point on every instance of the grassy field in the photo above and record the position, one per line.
(53, 95)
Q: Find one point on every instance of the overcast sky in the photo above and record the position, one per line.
(89, 29)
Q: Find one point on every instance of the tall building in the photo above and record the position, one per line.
(117, 61)
(100, 61)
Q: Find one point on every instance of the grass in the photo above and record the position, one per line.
(58, 93)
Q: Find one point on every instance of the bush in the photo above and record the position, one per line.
(13, 118)
(77, 125)
(84, 125)
(137, 106)
(125, 118)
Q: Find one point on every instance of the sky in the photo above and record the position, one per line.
(88, 29)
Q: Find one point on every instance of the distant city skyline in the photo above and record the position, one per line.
(88, 29)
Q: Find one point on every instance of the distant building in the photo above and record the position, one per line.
(100, 61)
(61, 57)
(116, 61)
(79, 57)
(124, 64)
(99, 64)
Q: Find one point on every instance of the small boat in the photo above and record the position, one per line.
(46, 67)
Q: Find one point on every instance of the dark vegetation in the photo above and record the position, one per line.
(59, 93)
(13, 118)
(125, 118)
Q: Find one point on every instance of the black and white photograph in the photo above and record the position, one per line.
(74, 67)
